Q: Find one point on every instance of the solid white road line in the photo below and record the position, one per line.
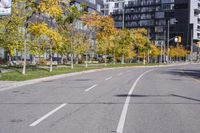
(108, 78)
(90, 88)
(122, 119)
(47, 115)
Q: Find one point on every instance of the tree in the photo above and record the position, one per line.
(10, 36)
(104, 28)
(178, 52)
(142, 43)
(125, 44)
(154, 52)
(54, 38)
(66, 24)
(81, 45)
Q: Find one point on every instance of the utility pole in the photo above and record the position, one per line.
(123, 17)
(164, 51)
(192, 47)
(161, 55)
(168, 30)
(123, 26)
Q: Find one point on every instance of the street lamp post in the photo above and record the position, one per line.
(168, 30)
(164, 51)
(192, 47)
(161, 56)
(173, 21)
(123, 26)
(123, 18)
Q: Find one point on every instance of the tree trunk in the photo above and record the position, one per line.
(51, 59)
(62, 58)
(77, 59)
(114, 57)
(148, 56)
(122, 58)
(33, 60)
(25, 53)
(144, 59)
(105, 58)
(9, 59)
(72, 61)
(86, 61)
(138, 59)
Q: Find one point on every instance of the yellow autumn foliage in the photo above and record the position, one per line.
(178, 52)
(51, 7)
(42, 29)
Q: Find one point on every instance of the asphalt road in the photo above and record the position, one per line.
(125, 100)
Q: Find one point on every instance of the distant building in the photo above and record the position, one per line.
(91, 5)
(183, 17)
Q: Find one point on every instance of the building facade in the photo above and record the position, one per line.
(181, 16)
(91, 5)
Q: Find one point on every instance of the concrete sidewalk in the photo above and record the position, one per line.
(4, 84)
(8, 85)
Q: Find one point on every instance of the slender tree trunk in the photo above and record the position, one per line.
(105, 59)
(144, 60)
(77, 59)
(51, 59)
(9, 59)
(72, 55)
(148, 56)
(33, 60)
(122, 58)
(138, 59)
(114, 56)
(62, 58)
(86, 60)
(25, 53)
(39, 59)
(72, 61)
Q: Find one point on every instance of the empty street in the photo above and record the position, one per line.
(123, 100)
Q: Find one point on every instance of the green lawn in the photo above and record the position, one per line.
(33, 72)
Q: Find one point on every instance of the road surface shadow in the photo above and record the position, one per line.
(170, 95)
(187, 73)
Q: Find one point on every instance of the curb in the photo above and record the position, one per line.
(34, 81)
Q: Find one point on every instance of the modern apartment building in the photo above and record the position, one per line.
(181, 16)
(91, 5)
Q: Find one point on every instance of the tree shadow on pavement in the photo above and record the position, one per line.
(170, 95)
(187, 73)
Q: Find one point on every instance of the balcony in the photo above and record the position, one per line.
(141, 4)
